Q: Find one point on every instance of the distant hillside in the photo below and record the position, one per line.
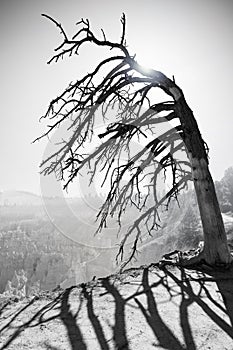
(51, 240)
(25, 198)
(14, 197)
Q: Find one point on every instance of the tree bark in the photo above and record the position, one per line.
(216, 250)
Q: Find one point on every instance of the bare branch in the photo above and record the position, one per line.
(183, 182)
(61, 30)
(121, 99)
(123, 29)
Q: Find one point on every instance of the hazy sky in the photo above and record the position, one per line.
(191, 40)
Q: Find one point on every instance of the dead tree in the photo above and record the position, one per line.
(127, 85)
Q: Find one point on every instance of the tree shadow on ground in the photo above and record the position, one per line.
(163, 334)
(144, 299)
(88, 294)
(224, 281)
(4, 306)
(225, 286)
(69, 320)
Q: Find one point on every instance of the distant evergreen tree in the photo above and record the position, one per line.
(228, 186)
(189, 228)
(224, 189)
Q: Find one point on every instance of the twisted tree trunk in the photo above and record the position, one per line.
(216, 250)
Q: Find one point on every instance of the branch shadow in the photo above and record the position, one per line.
(223, 281)
(94, 319)
(50, 347)
(143, 299)
(226, 290)
(119, 328)
(27, 324)
(4, 306)
(69, 320)
(186, 301)
(8, 324)
(162, 333)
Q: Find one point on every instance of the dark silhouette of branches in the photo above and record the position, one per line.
(125, 91)
(119, 92)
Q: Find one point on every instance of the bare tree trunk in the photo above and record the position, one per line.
(216, 250)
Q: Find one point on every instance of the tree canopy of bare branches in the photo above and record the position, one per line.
(126, 92)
